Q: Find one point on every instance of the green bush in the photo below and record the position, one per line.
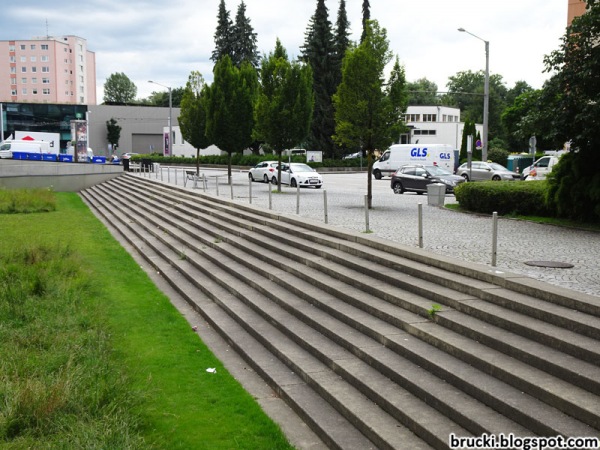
(520, 198)
(498, 155)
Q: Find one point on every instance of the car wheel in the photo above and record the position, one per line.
(318, 187)
(377, 175)
(250, 177)
(398, 188)
(495, 178)
(465, 176)
(293, 182)
(266, 178)
(419, 192)
(273, 180)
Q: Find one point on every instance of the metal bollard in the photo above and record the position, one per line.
(494, 238)
(217, 183)
(325, 204)
(367, 213)
(250, 189)
(420, 209)
(176, 177)
(297, 198)
(231, 187)
(168, 174)
(204, 182)
(161, 173)
(270, 195)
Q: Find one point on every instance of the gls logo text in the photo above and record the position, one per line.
(444, 155)
(418, 152)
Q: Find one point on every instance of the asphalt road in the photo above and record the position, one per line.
(395, 217)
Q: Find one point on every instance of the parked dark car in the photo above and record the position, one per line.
(415, 178)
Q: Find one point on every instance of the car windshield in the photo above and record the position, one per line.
(302, 168)
(436, 170)
(496, 166)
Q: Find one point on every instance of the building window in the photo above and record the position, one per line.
(24, 91)
(424, 132)
(12, 59)
(32, 46)
(13, 81)
(45, 69)
(45, 81)
(13, 92)
(412, 117)
(45, 58)
(13, 70)
(11, 48)
(429, 117)
(34, 69)
(44, 46)
(34, 80)
(34, 91)
(46, 92)
(23, 58)
(33, 59)
(23, 69)
(81, 100)
(23, 80)
(22, 46)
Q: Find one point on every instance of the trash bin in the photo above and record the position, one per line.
(436, 194)
(146, 165)
(126, 164)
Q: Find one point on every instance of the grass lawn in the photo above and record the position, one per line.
(95, 356)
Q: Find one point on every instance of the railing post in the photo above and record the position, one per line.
(325, 204)
(367, 213)
(494, 238)
(420, 214)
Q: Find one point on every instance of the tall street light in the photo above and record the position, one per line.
(486, 95)
(168, 146)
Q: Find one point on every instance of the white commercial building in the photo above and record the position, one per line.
(434, 125)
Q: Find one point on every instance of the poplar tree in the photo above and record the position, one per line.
(285, 102)
(341, 40)
(192, 117)
(230, 104)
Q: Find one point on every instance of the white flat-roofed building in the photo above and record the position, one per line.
(434, 125)
(48, 70)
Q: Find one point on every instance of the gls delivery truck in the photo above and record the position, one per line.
(398, 155)
(9, 146)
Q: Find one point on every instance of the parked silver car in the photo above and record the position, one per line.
(483, 171)
(298, 174)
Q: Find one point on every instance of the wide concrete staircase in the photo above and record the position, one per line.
(373, 344)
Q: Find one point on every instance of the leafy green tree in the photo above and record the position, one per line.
(113, 132)
(423, 92)
(223, 34)
(161, 98)
(465, 90)
(243, 39)
(230, 104)
(192, 117)
(318, 52)
(285, 102)
(368, 112)
(575, 182)
(119, 89)
(469, 129)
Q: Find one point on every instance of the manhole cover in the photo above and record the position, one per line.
(552, 264)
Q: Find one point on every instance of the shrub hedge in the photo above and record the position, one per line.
(519, 198)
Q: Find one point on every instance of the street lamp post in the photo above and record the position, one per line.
(169, 146)
(486, 95)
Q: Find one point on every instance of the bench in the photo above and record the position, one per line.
(190, 175)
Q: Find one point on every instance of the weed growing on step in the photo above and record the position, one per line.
(182, 255)
(217, 240)
(435, 308)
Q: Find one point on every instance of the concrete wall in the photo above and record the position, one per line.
(61, 177)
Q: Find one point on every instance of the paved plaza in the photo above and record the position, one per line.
(445, 232)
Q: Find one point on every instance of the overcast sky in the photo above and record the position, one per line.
(165, 40)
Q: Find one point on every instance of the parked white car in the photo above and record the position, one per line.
(298, 174)
(263, 171)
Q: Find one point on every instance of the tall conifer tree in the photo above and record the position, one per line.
(366, 10)
(223, 34)
(341, 40)
(318, 52)
(244, 40)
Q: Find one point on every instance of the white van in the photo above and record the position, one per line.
(9, 146)
(539, 169)
(398, 155)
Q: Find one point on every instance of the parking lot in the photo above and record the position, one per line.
(445, 232)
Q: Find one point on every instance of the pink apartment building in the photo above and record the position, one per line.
(48, 70)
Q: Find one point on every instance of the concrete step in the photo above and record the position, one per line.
(379, 342)
(582, 405)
